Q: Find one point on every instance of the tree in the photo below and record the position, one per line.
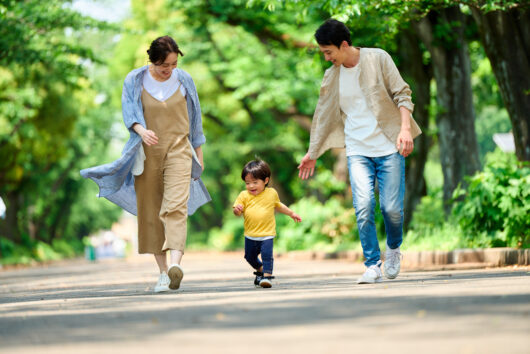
(505, 34)
(419, 74)
(48, 115)
(442, 32)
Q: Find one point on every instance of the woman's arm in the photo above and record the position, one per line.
(198, 151)
(148, 136)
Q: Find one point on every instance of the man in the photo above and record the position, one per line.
(365, 106)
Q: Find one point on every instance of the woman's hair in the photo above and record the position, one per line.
(333, 32)
(257, 169)
(160, 49)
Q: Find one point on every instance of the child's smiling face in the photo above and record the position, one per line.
(255, 186)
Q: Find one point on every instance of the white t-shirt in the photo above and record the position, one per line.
(165, 89)
(363, 135)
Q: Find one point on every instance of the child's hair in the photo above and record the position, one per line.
(257, 169)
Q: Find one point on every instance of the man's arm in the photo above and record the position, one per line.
(401, 92)
(306, 167)
(404, 142)
(401, 95)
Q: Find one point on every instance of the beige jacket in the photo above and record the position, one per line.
(384, 90)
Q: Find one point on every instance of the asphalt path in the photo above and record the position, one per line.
(313, 307)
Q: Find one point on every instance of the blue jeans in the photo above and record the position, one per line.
(254, 248)
(389, 171)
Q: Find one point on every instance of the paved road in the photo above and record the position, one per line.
(314, 307)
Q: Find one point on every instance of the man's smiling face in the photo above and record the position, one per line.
(334, 54)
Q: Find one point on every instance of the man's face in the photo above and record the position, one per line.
(334, 54)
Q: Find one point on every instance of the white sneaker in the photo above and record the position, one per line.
(163, 283)
(372, 275)
(392, 262)
(176, 274)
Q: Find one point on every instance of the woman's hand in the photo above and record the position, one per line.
(148, 136)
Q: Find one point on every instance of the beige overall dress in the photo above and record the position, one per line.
(162, 190)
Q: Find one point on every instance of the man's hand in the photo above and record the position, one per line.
(404, 142)
(306, 167)
(238, 209)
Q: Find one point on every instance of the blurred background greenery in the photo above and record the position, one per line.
(258, 72)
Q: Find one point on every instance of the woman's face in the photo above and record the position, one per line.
(165, 69)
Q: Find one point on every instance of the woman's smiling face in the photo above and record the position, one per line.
(255, 186)
(165, 69)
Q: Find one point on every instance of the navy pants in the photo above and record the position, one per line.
(254, 248)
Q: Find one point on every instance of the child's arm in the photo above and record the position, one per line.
(238, 209)
(239, 204)
(282, 208)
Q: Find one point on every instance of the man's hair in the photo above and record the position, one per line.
(258, 169)
(332, 32)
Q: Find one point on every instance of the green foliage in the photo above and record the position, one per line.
(492, 212)
(54, 120)
(497, 201)
(324, 226)
(492, 117)
(32, 31)
(257, 71)
(31, 252)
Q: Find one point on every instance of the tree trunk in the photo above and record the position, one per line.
(9, 225)
(442, 32)
(419, 76)
(506, 39)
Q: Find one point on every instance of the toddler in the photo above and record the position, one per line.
(257, 204)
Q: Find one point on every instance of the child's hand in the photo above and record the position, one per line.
(296, 217)
(238, 209)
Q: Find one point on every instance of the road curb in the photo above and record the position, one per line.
(488, 257)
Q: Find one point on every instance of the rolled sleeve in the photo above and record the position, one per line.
(194, 111)
(129, 111)
(401, 92)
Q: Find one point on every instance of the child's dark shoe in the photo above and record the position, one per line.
(259, 276)
(266, 282)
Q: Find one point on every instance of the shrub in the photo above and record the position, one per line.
(496, 202)
(327, 226)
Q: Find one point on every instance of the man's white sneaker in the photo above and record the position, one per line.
(163, 283)
(372, 275)
(175, 276)
(392, 262)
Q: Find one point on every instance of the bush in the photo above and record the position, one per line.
(30, 251)
(327, 227)
(496, 203)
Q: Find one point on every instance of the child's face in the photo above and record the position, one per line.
(255, 186)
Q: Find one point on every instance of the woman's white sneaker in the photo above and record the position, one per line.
(372, 275)
(175, 274)
(392, 264)
(162, 284)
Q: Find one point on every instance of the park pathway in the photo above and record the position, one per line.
(314, 307)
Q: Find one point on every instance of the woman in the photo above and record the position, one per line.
(158, 175)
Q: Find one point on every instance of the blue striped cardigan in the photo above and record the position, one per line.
(115, 179)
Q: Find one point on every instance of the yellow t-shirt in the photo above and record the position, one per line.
(258, 211)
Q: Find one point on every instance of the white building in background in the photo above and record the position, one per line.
(505, 141)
